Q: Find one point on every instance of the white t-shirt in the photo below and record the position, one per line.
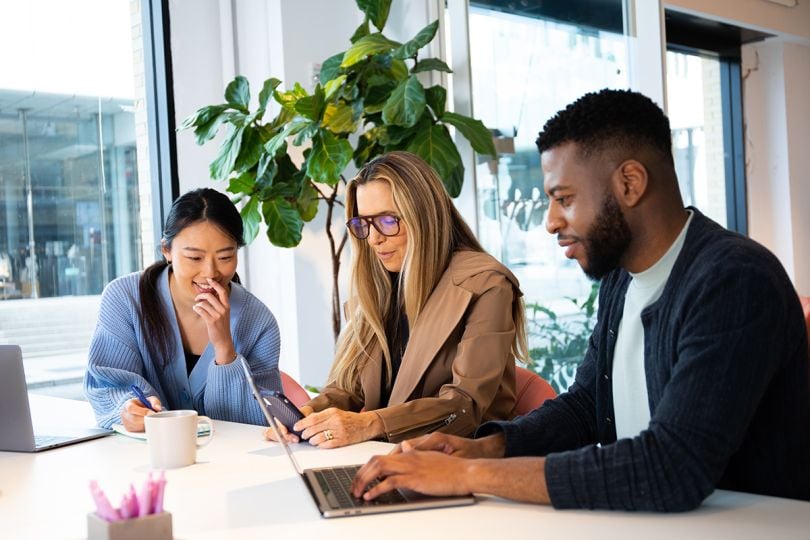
(630, 403)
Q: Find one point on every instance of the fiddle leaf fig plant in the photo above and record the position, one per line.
(368, 100)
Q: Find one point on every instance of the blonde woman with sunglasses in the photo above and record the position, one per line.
(434, 322)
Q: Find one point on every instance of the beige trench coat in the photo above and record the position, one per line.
(457, 370)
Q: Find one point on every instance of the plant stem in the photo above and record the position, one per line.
(335, 251)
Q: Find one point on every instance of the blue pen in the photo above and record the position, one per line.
(138, 393)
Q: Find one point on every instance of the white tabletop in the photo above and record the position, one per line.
(245, 487)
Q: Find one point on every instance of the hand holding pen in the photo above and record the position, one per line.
(135, 409)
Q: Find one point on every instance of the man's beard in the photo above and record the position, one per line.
(606, 240)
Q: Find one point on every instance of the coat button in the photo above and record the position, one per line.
(608, 420)
(606, 377)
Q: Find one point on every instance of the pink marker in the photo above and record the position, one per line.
(161, 485)
(145, 497)
(103, 507)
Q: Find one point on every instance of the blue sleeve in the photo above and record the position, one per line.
(227, 394)
(114, 361)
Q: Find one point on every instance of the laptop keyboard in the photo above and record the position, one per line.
(41, 441)
(338, 480)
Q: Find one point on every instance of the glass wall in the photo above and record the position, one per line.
(695, 110)
(71, 111)
(69, 217)
(528, 60)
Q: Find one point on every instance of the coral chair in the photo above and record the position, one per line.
(531, 390)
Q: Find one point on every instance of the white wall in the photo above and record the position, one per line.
(776, 86)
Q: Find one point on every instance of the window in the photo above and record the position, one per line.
(76, 188)
(704, 105)
(528, 60)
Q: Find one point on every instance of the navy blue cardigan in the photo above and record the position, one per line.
(726, 358)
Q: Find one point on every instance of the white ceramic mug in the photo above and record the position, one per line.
(172, 437)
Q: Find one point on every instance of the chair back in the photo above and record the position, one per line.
(531, 391)
(294, 391)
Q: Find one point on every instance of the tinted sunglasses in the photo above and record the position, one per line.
(386, 225)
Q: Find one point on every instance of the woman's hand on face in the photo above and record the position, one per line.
(133, 411)
(332, 427)
(270, 435)
(215, 309)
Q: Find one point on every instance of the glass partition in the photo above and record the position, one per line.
(528, 60)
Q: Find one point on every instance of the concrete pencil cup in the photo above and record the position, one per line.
(151, 526)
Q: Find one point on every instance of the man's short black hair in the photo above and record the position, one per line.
(609, 119)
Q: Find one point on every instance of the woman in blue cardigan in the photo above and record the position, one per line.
(176, 329)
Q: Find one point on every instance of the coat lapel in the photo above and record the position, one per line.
(441, 314)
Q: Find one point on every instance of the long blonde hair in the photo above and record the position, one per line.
(435, 231)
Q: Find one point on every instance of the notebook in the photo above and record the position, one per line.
(17, 432)
(330, 487)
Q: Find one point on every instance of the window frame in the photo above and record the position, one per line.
(161, 132)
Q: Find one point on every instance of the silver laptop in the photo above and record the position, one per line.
(330, 487)
(17, 433)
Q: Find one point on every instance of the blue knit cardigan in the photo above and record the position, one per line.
(119, 357)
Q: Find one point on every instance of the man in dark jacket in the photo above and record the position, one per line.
(696, 376)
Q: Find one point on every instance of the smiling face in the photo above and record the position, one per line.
(375, 198)
(199, 252)
(583, 212)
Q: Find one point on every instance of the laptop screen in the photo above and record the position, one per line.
(270, 420)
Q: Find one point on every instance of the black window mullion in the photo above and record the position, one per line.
(160, 111)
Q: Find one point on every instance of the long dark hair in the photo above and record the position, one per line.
(203, 204)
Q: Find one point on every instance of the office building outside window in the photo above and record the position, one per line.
(73, 174)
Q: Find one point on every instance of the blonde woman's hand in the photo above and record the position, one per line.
(333, 427)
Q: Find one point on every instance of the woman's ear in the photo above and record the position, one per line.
(164, 250)
(630, 182)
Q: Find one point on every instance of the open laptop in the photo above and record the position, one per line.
(330, 487)
(17, 432)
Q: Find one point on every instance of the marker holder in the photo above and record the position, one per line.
(152, 527)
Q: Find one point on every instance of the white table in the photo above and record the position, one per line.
(244, 487)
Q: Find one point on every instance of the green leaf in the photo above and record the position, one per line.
(436, 97)
(311, 106)
(361, 32)
(206, 122)
(330, 68)
(268, 88)
(329, 156)
(284, 223)
(406, 104)
(332, 86)
(436, 147)
(431, 64)
(237, 93)
(410, 48)
(307, 133)
(222, 165)
(251, 218)
(250, 150)
(399, 70)
(339, 118)
(367, 46)
(376, 11)
(308, 202)
(289, 98)
(474, 131)
(244, 183)
(274, 144)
